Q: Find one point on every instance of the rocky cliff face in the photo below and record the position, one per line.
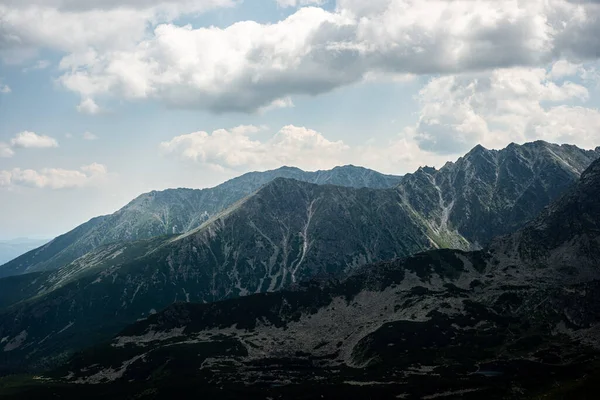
(176, 211)
(517, 320)
(488, 193)
(563, 237)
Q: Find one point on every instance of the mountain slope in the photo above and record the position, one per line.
(287, 232)
(176, 211)
(508, 322)
(564, 236)
(488, 193)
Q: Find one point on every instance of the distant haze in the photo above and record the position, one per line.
(13, 248)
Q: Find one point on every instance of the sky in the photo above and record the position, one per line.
(102, 100)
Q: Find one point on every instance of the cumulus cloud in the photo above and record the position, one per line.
(248, 65)
(5, 88)
(28, 139)
(235, 149)
(83, 5)
(564, 68)
(456, 112)
(52, 178)
(88, 106)
(89, 136)
(73, 26)
(498, 107)
(5, 150)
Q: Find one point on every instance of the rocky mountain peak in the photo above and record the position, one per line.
(493, 192)
(426, 170)
(477, 158)
(477, 150)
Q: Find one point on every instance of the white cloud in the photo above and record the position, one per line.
(5, 88)
(95, 169)
(83, 5)
(133, 50)
(564, 68)
(28, 139)
(501, 106)
(88, 106)
(5, 150)
(247, 66)
(52, 178)
(564, 124)
(75, 26)
(235, 149)
(89, 136)
(456, 112)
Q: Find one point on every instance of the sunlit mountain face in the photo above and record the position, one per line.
(299, 199)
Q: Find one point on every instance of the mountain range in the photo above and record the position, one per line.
(285, 272)
(288, 231)
(176, 211)
(518, 319)
(483, 194)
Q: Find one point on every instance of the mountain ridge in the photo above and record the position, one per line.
(437, 324)
(173, 211)
(286, 232)
(443, 200)
(487, 193)
(283, 234)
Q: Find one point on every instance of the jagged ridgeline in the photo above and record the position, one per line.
(518, 319)
(286, 232)
(483, 194)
